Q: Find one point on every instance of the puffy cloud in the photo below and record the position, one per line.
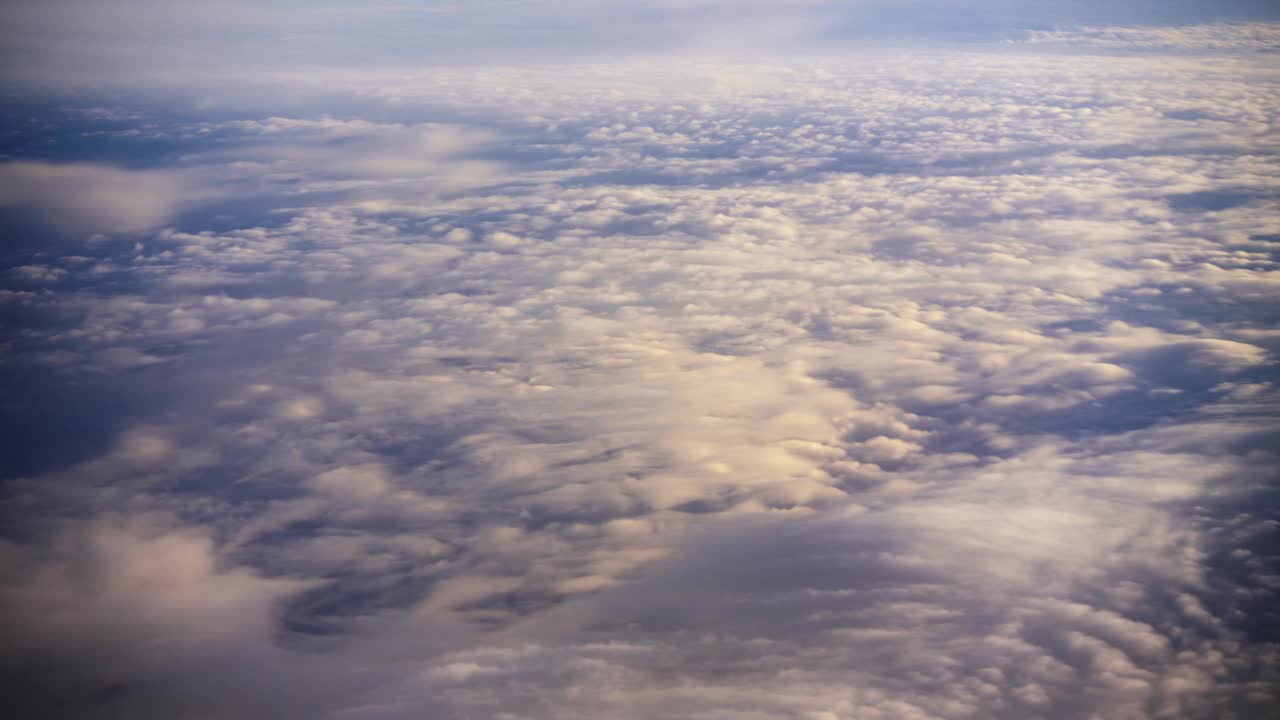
(140, 606)
(84, 198)
(874, 387)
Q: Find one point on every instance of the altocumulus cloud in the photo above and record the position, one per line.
(907, 381)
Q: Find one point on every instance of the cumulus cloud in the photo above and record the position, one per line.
(85, 198)
(270, 160)
(938, 386)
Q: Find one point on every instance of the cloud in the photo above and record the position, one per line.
(75, 43)
(1256, 37)
(345, 150)
(83, 198)
(935, 386)
(138, 604)
(273, 161)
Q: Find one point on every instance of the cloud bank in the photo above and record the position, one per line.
(875, 385)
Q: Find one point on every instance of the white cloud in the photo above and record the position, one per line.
(892, 387)
(84, 199)
(1225, 36)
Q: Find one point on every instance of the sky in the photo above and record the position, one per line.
(556, 359)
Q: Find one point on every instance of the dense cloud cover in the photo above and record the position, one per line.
(907, 381)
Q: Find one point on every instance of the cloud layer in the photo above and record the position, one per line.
(91, 43)
(937, 385)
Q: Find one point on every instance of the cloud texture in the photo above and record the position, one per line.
(882, 385)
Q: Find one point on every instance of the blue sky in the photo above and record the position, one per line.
(547, 360)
